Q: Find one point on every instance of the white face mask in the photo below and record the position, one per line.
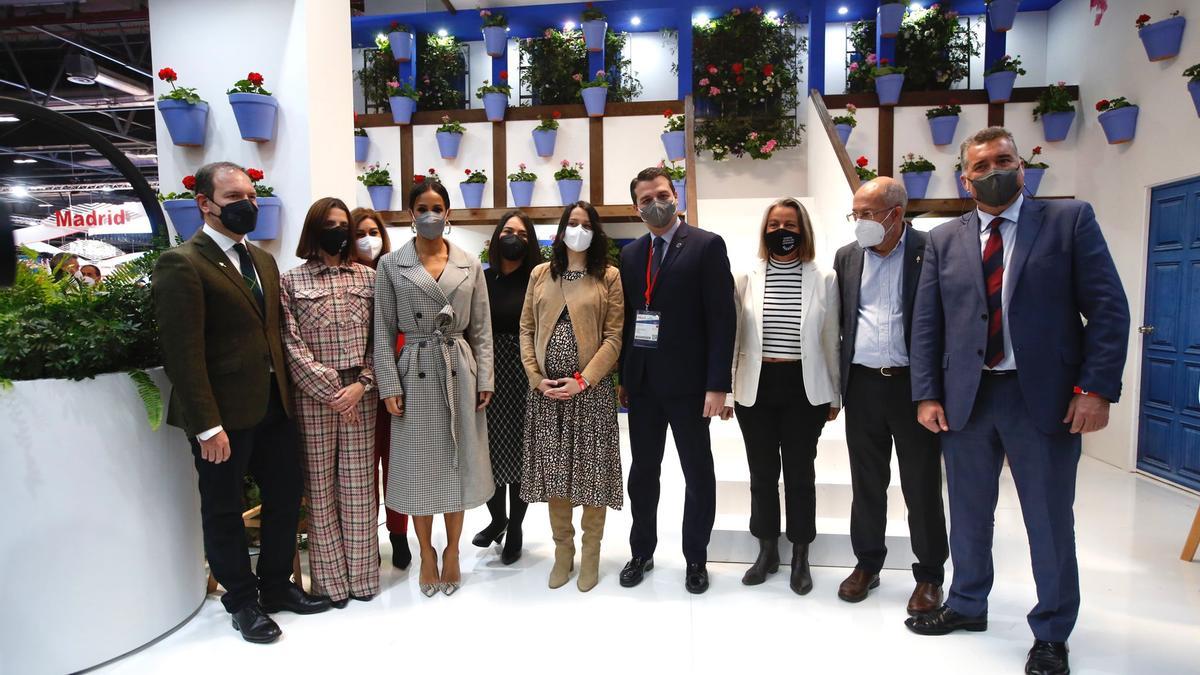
(870, 232)
(369, 246)
(88, 281)
(577, 238)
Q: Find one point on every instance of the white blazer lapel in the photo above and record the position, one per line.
(807, 291)
(758, 292)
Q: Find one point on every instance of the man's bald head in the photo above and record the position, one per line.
(881, 193)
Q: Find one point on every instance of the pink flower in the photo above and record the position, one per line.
(661, 164)
(704, 82)
(521, 166)
(599, 74)
(872, 59)
(756, 9)
(854, 67)
(769, 146)
(484, 12)
(1061, 83)
(754, 135)
(713, 91)
(851, 108)
(393, 84)
(712, 70)
(736, 11)
(577, 77)
(952, 14)
(565, 164)
(934, 6)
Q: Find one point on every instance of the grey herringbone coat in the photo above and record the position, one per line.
(439, 453)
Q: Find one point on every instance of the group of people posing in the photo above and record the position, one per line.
(501, 386)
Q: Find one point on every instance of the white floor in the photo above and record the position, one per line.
(1141, 604)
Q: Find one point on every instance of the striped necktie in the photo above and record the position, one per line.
(248, 275)
(993, 279)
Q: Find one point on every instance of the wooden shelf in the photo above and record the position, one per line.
(540, 215)
(525, 113)
(936, 98)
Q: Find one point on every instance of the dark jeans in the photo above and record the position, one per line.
(782, 427)
(649, 416)
(879, 409)
(269, 452)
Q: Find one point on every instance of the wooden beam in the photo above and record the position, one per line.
(995, 114)
(689, 161)
(625, 213)
(887, 139)
(840, 150)
(406, 164)
(449, 7)
(499, 165)
(525, 113)
(596, 160)
(930, 99)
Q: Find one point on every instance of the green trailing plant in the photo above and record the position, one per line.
(1006, 63)
(948, 110)
(406, 89)
(491, 18)
(475, 176)
(522, 175)
(150, 395)
(1054, 98)
(451, 126)
(548, 123)
(674, 122)
(185, 94)
(914, 163)
(673, 171)
(252, 84)
(849, 118)
(1104, 104)
(935, 47)
(1033, 162)
(379, 67)
(568, 171)
(861, 36)
(554, 60)
(864, 172)
(375, 175)
(443, 70)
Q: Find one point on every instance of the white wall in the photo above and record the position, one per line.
(651, 56)
(1027, 39)
(1109, 61)
(832, 198)
(302, 49)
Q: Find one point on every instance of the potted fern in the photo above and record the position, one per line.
(844, 124)
(943, 120)
(495, 32)
(185, 115)
(449, 137)
(545, 134)
(378, 181)
(254, 108)
(521, 184)
(472, 188)
(1001, 14)
(269, 207)
(1000, 78)
(1161, 39)
(594, 28)
(1035, 170)
(495, 97)
(1118, 118)
(403, 100)
(674, 136)
(916, 172)
(1056, 110)
(570, 181)
(181, 207)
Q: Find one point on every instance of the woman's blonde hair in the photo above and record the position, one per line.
(808, 248)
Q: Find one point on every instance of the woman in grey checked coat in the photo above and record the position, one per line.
(438, 385)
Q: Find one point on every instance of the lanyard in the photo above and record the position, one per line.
(651, 281)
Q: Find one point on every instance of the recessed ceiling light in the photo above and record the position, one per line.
(25, 160)
(568, 26)
(843, 10)
(916, 7)
(637, 21)
(700, 19)
(442, 32)
(20, 191)
(772, 14)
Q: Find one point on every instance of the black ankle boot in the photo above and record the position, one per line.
(494, 532)
(512, 545)
(801, 578)
(401, 555)
(766, 563)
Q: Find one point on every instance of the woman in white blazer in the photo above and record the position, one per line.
(785, 382)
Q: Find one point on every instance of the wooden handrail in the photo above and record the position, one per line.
(689, 161)
(843, 157)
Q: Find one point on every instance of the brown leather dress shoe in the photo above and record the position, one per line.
(926, 597)
(856, 586)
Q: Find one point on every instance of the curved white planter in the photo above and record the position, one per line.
(101, 550)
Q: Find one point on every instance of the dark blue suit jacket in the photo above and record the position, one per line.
(1061, 272)
(694, 292)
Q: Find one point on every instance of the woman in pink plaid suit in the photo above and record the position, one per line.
(327, 308)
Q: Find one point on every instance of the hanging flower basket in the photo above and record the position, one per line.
(681, 193)
(843, 132)
(943, 121)
(916, 172)
(472, 188)
(674, 136)
(887, 19)
(1118, 117)
(1034, 171)
(1161, 39)
(185, 216)
(185, 115)
(381, 197)
(254, 108)
(962, 192)
(999, 86)
(449, 137)
(569, 190)
(593, 34)
(888, 83)
(1056, 125)
(401, 41)
(495, 33)
(1057, 111)
(844, 124)
(595, 94)
(402, 98)
(1002, 14)
(545, 134)
(522, 192)
(268, 226)
(362, 144)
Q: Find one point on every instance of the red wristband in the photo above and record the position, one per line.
(1080, 390)
(580, 381)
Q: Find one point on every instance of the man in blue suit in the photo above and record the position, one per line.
(1004, 366)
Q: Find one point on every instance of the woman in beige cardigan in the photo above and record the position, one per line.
(570, 340)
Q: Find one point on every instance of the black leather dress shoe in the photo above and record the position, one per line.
(766, 564)
(635, 570)
(363, 598)
(292, 599)
(1047, 658)
(944, 620)
(401, 554)
(696, 580)
(494, 532)
(339, 604)
(255, 626)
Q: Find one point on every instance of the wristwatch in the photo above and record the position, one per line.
(367, 383)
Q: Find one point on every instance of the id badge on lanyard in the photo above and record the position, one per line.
(647, 321)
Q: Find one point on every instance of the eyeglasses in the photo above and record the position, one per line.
(868, 214)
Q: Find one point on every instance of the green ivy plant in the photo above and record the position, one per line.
(378, 69)
(557, 57)
(747, 67)
(443, 70)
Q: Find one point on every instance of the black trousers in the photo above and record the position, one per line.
(269, 452)
(782, 429)
(879, 409)
(649, 416)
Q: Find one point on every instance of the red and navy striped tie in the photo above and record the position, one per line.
(993, 279)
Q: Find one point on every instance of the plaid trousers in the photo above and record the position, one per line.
(339, 478)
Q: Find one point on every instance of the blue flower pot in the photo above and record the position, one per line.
(887, 19)
(1057, 125)
(186, 122)
(962, 192)
(381, 197)
(1162, 38)
(888, 87)
(361, 145)
(472, 194)
(917, 183)
(494, 106)
(999, 86)
(569, 190)
(1033, 180)
(544, 142)
(681, 193)
(943, 128)
(593, 34)
(1002, 13)
(675, 143)
(448, 144)
(268, 224)
(843, 132)
(522, 192)
(1119, 124)
(1194, 90)
(255, 116)
(403, 108)
(185, 216)
(495, 40)
(594, 99)
(402, 46)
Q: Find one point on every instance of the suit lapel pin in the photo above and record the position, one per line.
(918, 260)
(679, 244)
(221, 264)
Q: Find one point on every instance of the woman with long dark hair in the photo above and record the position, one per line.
(513, 252)
(570, 340)
(437, 387)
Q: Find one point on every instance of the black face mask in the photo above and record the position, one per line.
(997, 188)
(782, 242)
(334, 240)
(239, 217)
(512, 247)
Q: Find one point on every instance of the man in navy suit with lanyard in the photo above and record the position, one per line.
(678, 344)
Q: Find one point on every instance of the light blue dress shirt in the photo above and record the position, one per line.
(879, 338)
(1008, 234)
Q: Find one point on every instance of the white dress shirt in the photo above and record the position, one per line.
(879, 336)
(225, 244)
(1008, 234)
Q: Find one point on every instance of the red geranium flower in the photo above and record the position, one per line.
(861, 161)
(1142, 20)
(395, 26)
(712, 70)
(189, 182)
(668, 112)
(254, 174)
(432, 171)
(167, 75)
(1101, 104)
(883, 61)
(556, 114)
(768, 70)
(467, 171)
(255, 79)
(504, 74)
(418, 179)
(1037, 150)
(738, 68)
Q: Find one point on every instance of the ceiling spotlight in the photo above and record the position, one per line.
(9, 119)
(568, 26)
(19, 191)
(916, 7)
(843, 10)
(700, 19)
(25, 160)
(772, 14)
(442, 32)
(636, 21)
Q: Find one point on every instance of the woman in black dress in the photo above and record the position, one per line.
(512, 255)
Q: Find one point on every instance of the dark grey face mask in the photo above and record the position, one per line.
(430, 225)
(658, 214)
(997, 188)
